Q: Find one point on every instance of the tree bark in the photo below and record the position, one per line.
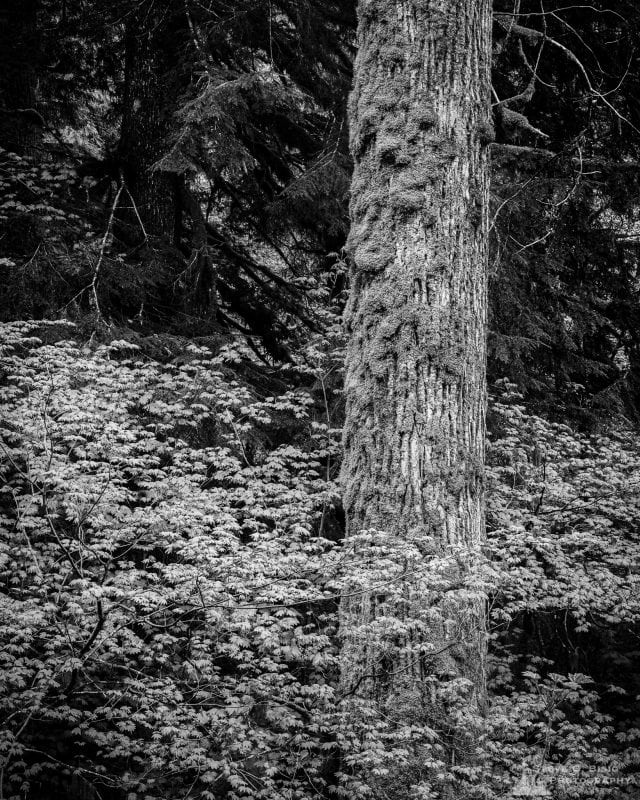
(415, 387)
(148, 103)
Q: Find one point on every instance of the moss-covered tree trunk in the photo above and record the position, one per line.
(413, 645)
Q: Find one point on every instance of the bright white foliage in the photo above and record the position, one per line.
(168, 603)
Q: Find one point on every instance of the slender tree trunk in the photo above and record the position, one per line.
(415, 388)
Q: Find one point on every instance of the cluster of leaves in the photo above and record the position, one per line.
(562, 580)
(564, 523)
(164, 622)
(170, 581)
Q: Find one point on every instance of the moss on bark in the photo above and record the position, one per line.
(415, 384)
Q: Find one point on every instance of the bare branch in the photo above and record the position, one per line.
(96, 272)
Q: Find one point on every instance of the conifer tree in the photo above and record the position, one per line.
(415, 383)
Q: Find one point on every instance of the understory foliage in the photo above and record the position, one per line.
(171, 567)
(564, 536)
(173, 209)
(163, 615)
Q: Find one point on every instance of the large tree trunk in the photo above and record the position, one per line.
(415, 385)
(148, 104)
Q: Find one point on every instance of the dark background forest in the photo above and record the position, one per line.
(174, 186)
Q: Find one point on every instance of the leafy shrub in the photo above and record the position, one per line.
(564, 528)
(170, 581)
(164, 621)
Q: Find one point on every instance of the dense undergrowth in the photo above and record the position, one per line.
(171, 564)
(165, 617)
(171, 537)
